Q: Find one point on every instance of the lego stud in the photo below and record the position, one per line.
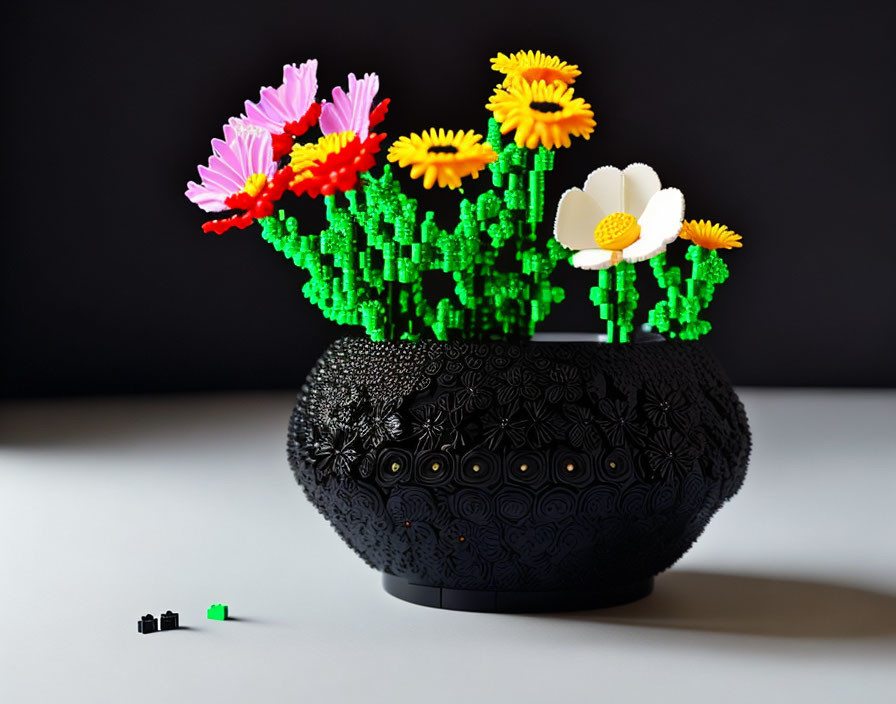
(147, 624)
(217, 612)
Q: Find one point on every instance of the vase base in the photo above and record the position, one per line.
(516, 602)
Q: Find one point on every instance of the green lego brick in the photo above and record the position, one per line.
(217, 612)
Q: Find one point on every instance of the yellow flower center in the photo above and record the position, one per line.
(255, 184)
(617, 231)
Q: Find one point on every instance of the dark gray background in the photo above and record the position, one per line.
(774, 118)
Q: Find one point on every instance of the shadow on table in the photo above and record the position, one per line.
(755, 605)
(71, 424)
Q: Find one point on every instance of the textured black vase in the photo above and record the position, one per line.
(518, 476)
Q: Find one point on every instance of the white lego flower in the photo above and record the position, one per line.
(620, 215)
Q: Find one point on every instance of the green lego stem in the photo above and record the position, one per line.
(663, 316)
(678, 315)
(520, 300)
(603, 297)
(366, 267)
(690, 328)
(616, 299)
(626, 299)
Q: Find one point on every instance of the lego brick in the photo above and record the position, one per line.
(147, 624)
(217, 612)
(169, 621)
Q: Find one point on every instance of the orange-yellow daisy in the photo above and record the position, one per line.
(709, 236)
(443, 157)
(534, 66)
(541, 113)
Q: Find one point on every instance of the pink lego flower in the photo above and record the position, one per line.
(280, 107)
(351, 112)
(243, 162)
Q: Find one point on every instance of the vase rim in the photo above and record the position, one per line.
(601, 338)
(541, 338)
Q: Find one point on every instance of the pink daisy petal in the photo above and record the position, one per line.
(255, 116)
(336, 116)
(272, 106)
(289, 102)
(223, 169)
(351, 111)
(210, 202)
(300, 86)
(245, 151)
(213, 177)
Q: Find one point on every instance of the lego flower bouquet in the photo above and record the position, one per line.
(475, 468)
(367, 268)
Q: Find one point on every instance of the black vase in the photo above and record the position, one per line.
(518, 476)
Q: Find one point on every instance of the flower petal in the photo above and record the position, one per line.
(210, 201)
(336, 116)
(300, 85)
(643, 250)
(605, 185)
(256, 116)
(660, 225)
(351, 111)
(593, 259)
(641, 182)
(577, 216)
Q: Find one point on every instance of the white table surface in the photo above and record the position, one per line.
(113, 508)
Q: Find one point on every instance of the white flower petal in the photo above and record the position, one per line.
(605, 185)
(642, 250)
(640, 183)
(577, 216)
(660, 225)
(593, 259)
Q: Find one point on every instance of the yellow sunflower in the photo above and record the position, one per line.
(533, 67)
(709, 236)
(304, 156)
(542, 113)
(442, 156)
